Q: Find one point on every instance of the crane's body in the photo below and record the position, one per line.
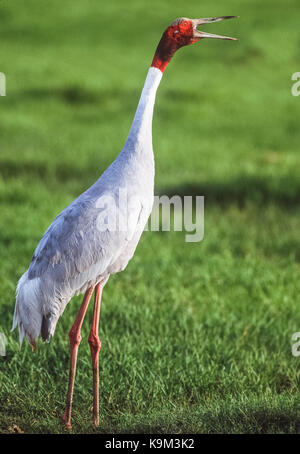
(75, 255)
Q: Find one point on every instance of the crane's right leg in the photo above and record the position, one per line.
(75, 339)
(95, 346)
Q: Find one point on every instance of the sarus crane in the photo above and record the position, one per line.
(75, 255)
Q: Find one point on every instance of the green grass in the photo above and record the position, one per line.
(196, 337)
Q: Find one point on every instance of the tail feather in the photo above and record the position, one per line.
(28, 310)
(46, 330)
(18, 322)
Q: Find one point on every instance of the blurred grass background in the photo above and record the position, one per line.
(195, 337)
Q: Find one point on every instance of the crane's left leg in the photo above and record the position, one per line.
(75, 339)
(95, 346)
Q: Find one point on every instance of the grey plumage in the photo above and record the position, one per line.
(74, 254)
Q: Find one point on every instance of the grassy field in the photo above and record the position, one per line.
(196, 337)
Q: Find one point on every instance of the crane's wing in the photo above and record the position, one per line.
(78, 240)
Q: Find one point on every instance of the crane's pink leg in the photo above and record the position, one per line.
(75, 339)
(95, 346)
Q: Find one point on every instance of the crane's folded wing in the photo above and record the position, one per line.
(74, 243)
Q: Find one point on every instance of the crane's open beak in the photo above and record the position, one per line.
(208, 20)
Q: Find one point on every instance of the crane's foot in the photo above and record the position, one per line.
(65, 422)
(96, 422)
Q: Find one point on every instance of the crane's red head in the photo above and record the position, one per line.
(180, 33)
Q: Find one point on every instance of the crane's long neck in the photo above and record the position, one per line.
(140, 136)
